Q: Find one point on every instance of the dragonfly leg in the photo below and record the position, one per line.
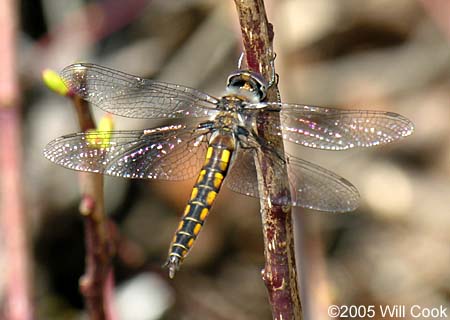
(241, 58)
(274, 78)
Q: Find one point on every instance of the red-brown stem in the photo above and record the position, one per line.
(17, 304)
(95, 285)
(279, 272)
(85, 119)
(13, 227)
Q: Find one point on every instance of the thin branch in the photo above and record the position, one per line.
(279, 273)
(94, 283)
(97, 282)
(17, 304)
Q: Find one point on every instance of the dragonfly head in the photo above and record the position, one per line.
(249, 85)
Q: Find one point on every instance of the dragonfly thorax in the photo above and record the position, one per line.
(247, 86)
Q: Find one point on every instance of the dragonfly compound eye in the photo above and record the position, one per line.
(247, 84)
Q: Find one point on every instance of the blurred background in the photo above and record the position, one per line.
(373, 54)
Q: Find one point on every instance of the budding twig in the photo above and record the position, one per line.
(96, 283)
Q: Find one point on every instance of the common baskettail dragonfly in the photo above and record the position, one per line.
(218, 143)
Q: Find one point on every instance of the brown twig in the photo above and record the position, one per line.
(279, 273)
(17, 304)
(96, 283)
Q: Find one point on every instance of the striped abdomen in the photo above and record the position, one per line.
(218, 155)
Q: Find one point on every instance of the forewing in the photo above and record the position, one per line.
(167, 153)
(337, 129)
(129, 96)
(312, 186)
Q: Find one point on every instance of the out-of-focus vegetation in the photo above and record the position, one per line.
(377, 54)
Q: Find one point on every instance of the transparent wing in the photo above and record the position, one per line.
(337, 129)
(129, 96)
(317, 188)
(241, 177)
(167, 153)
(312, 186)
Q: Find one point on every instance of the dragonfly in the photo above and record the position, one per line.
(215, 139)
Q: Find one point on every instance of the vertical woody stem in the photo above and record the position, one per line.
(279, 272)
(17, 304)
(97, 280)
